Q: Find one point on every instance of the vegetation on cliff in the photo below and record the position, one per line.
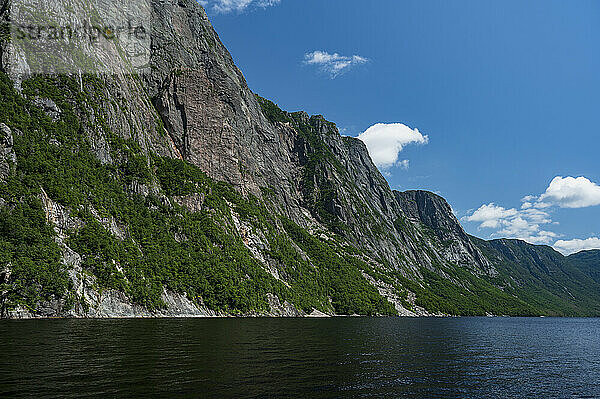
(164, 245)
(129, 224)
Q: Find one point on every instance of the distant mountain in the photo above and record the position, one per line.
(543, 277)
(174, 190)
(588, 262)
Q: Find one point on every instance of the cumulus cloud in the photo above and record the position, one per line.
(333, 64)
(524, 224)
(570, 192)
(527, 222)
(573, 246)
(386, 141)
(526, 229)
(227, 6)
(491, 215)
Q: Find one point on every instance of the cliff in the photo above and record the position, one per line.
(155, 183)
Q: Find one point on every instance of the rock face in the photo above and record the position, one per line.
(217, 123)
(8, 158)
(309, 226)
(210, 114)
(434, 212)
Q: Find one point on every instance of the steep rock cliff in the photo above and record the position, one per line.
(433, 211)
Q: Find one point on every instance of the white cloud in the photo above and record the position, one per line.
(333, 64)
(536, 216)
(491, 215)
(405, 164)
(541, 237)
(572, 246)
(570, 192)
(227, 6)
(386, 141)
(524, 224)
(526, 229)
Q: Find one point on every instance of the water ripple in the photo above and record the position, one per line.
(322, 358)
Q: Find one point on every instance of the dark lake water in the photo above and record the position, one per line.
(301, 358)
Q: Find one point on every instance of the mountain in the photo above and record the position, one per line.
(543, 277)
(156, 183)
(588, 262)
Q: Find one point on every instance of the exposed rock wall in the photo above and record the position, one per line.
(434, 212)
(8, 158)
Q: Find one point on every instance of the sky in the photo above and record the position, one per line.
(493, 105)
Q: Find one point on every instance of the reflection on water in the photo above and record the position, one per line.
(325, 358)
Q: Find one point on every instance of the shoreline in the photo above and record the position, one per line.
(207, 317)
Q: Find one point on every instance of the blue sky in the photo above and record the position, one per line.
(505, 97)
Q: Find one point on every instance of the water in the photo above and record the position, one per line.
(301, 358)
